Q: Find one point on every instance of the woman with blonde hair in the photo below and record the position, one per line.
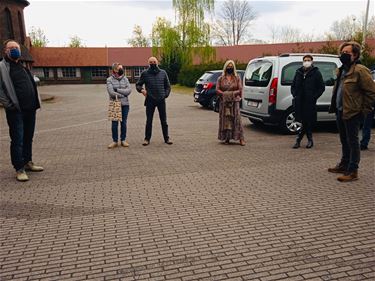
(229, 90)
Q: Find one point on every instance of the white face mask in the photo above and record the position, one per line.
(307, 64)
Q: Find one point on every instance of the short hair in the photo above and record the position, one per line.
(356, 47)
(307, 56)
(115, 65)
(5, 43)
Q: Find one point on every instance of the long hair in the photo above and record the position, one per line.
(234, 68)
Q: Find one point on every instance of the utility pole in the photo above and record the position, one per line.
(365, 25)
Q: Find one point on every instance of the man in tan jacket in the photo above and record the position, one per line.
(353, 97)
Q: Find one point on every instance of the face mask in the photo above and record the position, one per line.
(346, 59)
(153, 66)
(14, 54)
(120, 72)
(307, 64)
(230, 70)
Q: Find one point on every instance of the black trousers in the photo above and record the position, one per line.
(151, 105)
(348, 130)
(307, 126)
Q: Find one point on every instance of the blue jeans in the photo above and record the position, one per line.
(366, 129)
(348, 130)
(21, 132)
(125, 112)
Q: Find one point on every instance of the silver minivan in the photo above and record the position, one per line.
(267, 97)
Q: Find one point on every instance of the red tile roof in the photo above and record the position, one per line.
(64, 57)
(85, 57)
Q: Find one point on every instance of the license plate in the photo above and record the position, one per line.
(252, 103)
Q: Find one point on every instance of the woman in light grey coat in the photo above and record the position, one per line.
(118, 86)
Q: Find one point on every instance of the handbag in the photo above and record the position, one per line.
(115, 110)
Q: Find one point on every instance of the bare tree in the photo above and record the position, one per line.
(138, 39)
(233, 21)
(349, 27)
(288, 34)
(38, 37)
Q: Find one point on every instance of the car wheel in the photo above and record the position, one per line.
(288, 124)
(212, 103)
(217, 105)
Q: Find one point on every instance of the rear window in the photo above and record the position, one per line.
(258, 73)
(210, 76)
(328, 70)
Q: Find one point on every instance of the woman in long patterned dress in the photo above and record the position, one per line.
(229, 90)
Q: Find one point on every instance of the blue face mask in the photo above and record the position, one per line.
(14, 54)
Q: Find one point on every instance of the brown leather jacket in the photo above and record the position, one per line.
(358, 92)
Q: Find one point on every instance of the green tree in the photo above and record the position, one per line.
(189, 39)
(38, 38)
(76, 42)
(138, 39)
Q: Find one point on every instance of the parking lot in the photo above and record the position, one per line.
(195, 210)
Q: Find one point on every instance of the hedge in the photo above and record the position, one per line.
(189, 75)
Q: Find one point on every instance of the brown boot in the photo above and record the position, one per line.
(349, 176)
(338, 169)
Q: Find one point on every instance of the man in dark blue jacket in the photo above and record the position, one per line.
(19, 96)
(154, 85)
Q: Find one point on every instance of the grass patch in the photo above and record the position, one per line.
(178, 89)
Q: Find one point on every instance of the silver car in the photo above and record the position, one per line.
(267, 97)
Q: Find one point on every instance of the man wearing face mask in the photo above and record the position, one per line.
(353, 97)
(19, 96)
(307, 87)
(154, 85)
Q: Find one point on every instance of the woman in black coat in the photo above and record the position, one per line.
(307, 87)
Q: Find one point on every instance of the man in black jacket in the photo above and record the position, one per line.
(156, 89)
(19, 96)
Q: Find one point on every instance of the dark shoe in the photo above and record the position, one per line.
(349, 176)
(168, 142)
(309, 144)
(338, 169)
(363, 147)
(146, 142)
(296, 145)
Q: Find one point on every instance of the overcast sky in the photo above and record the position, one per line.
(110, 23)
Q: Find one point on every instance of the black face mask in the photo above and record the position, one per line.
(120, 72)
(230, 70)
(346, 59)
(153, 66)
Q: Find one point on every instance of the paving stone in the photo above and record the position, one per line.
(195, 210)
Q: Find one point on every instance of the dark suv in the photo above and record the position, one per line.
(205, 88)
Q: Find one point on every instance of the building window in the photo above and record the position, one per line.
(128, 72)
(43, 72)
(68, 72)
(22, 31)
(99, 72)
(9, 34)
(138, 70)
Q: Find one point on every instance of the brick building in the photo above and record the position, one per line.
(92, 65)
(12, 26)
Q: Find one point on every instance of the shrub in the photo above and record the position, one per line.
(190, 74)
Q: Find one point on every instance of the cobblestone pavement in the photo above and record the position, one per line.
(195, 210)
